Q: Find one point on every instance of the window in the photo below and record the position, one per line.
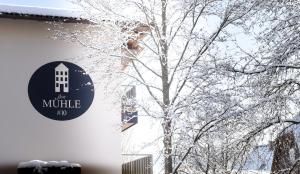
(56, 72)
(57, 79)
(66, 85)
(57, 85)
(129, 111)
(66, 79)
(61, 73)
(61, 79)
(66, 73)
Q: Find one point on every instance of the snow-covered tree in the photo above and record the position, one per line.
(214, 95)
(270, 73)
(180, 72)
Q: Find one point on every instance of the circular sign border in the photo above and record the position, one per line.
(51, 118)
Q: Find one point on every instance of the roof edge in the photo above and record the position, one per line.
(44, 18)
(42, 13)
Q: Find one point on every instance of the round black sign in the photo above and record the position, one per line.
(61, 90)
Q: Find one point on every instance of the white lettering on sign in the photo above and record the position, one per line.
(64, 104)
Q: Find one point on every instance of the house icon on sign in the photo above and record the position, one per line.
(61, 78)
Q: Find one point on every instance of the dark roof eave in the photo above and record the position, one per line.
(44, 18)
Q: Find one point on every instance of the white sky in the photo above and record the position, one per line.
(65, 4)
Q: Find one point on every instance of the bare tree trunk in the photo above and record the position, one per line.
(167, 147)
(167, 125)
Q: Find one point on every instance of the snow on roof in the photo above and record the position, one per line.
(42, 11)
(260, 159)
(43, 164)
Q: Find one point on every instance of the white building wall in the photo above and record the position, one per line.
(92, 139)
(146, 136)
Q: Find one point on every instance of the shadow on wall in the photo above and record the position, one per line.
(86, 169)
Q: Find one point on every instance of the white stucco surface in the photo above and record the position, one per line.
(93, 139)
